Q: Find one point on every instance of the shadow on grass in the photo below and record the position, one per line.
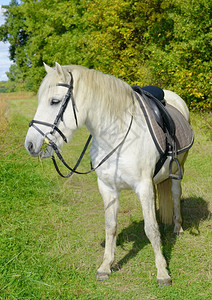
(133, 233)
(194, 210)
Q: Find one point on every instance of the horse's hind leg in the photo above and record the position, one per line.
(111, 204)
(145, 192)
(176, 194)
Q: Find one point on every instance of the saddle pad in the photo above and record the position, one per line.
(184, 133)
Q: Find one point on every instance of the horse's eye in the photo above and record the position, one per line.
(55, 101)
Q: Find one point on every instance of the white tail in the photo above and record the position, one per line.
(165, 201)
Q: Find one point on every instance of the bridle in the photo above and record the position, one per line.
(59, 117)
(69, 97)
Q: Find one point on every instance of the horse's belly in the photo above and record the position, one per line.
(125, 174)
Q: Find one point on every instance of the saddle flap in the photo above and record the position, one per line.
(155, 100)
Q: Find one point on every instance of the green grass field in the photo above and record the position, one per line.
(52, 229)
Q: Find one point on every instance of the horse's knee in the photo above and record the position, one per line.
(110, 227)
(152, 232)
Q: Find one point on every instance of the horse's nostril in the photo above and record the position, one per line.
(30, 146)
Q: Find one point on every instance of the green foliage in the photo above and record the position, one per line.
(166, 43)
(185, 63)
(15, 32)
(3, 88)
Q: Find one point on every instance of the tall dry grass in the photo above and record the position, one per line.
(3, 110)
(4, 97)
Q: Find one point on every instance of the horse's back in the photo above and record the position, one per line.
(176, 101)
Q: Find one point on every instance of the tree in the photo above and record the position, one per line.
(56, 34)
(184, 63)
(14, 31)
(161, 42)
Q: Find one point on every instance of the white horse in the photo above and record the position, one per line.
(106, 105)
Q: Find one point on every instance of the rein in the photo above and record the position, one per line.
(73, 170)
(54, 126)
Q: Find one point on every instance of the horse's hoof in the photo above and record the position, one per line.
(101, 276)
(178, 235)
(178, 231)
(164, 282)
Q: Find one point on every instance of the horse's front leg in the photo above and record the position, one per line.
(111, 205)
(145, 191)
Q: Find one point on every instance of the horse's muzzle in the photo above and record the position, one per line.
(45, 151)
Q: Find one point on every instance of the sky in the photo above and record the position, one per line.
(5, 62)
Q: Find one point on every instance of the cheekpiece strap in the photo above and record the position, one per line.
(69, 96)
(64, 84)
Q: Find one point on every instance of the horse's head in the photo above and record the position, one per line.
(53, 120)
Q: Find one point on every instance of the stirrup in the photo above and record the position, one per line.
(174, 176)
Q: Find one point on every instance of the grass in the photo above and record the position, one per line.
(52, 229)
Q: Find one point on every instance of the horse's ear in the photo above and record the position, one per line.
(47, 68)
(62, 73)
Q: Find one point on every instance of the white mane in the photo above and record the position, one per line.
(113, 95)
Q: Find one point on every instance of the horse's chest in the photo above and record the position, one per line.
(117, 178)
(119, 170)
(128, 163)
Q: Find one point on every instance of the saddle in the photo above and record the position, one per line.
(167, 135)
(154, 97)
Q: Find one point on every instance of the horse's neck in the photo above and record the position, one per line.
(104, 125)
(102, 128)
(107, 130)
